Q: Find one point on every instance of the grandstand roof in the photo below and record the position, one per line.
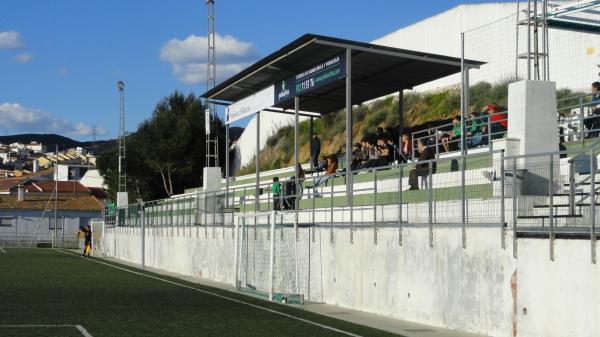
(376, 71)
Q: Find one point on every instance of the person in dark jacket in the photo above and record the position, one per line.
(315, 150)
(421, 170)
(87, 246)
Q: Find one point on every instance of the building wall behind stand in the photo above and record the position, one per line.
(444, 285)
(270, 122)
(490, 36)
(27, 224)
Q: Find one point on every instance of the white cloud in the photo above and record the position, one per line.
(189, 57)
(10, 40)
(23, 57)
(16, 118)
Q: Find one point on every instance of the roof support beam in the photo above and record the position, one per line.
(392, 53)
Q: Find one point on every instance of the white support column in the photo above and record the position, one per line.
(532, 117)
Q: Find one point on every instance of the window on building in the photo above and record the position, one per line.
(6, 222)
(59, 223)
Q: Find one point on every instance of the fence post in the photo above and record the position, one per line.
(430, 204)
(581, 121)
(330, 215)
(437, 144)
(143, 228)
(400, 175)
(205, 210)
(489, 132)
(375, 206)
(551, 206)
(236, 252)
(313, 201)
(272, 257)
(514, 206)
(214, 218)
(593, 172)
(502, 205)
(571, 186)
(463, 209)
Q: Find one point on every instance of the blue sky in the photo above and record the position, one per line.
(60, 59)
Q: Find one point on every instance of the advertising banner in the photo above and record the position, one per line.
(310, 79)
(250, 105)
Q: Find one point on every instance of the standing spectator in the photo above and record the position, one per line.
(276, 189)
(374, 156)
(594, 124)
(393, 150)
(315, 150)
(87, 246)
(421, 170)
(406, 148)
(431, 135)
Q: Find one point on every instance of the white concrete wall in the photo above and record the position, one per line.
(444, 285)
(270, 122)
(573, 56)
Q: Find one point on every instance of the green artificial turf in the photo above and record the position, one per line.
(50, 287)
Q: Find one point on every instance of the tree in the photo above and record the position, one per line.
(167, 152)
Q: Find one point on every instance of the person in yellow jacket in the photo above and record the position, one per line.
(87, 246)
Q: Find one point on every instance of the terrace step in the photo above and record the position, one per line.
(547, 216)
(565, 205)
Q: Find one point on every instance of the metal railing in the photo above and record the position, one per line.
(576, 118)
(28, 240)
(487, 130)
(539, 195)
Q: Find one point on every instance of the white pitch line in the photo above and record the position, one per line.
(223, 297)
(2, 250)
(81, 329)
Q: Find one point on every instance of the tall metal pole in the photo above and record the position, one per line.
(517, 42)
(122, 160)
(212, 139)
(349, 138)
(55, 192)
(529, 39)
(257, 162)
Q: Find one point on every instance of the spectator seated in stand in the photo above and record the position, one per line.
(421, 169)
(357, 157)
(330, 173)
(451, 139)
(374, 157)
(498, 121)
(474, 136)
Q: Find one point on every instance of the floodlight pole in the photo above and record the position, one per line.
(122, 160)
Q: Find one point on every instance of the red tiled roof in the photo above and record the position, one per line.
(8, 183)
(73, 187)
(38, 202)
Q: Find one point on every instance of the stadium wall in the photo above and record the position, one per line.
(470, 288)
